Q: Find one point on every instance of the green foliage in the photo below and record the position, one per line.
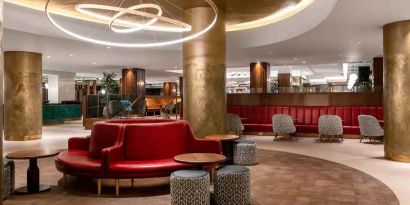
(109, 83)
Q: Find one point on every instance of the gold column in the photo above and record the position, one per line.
(23, 118)
(205, 73)
(397, 91)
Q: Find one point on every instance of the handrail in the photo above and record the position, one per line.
(135, 101)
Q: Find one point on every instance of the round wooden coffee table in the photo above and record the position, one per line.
(200, 159)
(33, 172)
(227, 142)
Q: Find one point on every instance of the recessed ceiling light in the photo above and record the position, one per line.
(359, 42)
(94, 63)
(108, 47)
(304, 62)
(71, 55)
(48, 56)
(295, 59)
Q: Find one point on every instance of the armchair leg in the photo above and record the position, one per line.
(276, 136)
(361, 138)
(99, 186)
(117, 187)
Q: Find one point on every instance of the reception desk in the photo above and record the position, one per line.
(58, 113)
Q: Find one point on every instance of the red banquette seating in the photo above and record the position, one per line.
(259, 118)
(147, 150)
(121, 149)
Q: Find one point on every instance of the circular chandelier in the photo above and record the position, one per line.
(113, 17)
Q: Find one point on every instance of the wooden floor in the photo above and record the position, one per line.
(279, 179)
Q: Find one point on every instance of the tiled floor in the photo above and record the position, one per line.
(365, 157)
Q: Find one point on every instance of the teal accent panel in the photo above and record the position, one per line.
(58, 113)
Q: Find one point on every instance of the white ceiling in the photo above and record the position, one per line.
(328, 32)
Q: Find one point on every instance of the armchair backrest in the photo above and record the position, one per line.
(370, 126)
(330, 125)
(104, 135)
(282, 123)
(150, 141)
(234, 123)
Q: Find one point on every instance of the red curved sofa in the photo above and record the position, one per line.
(259, 118)
(125, 149)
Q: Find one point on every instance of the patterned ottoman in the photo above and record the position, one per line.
(244, 153)
(232, 186)
(8, 178)
(190, 187)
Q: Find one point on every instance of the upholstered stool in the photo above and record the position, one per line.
(244, 153)
(232, 186)
(8, 178)
(190, 187)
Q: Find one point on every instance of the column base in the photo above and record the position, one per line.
(22, 138)
(398, 157)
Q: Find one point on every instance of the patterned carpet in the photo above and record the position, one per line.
(279, 179)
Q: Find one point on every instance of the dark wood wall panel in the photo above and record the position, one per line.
(244, 99)
(282, 99)
(308, 99)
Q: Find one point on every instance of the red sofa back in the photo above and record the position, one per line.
(305, 115)
(138, 120)
(104, 135)
(155, 141)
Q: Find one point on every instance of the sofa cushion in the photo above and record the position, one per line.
(78, 160)
(307, 128)
(103, 135)
(155, 141)
(351, 130)
(146, 166)
(251, 127)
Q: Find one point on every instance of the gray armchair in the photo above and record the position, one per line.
(234, 124)
(283, 124)
(330, 126)
(370, 128)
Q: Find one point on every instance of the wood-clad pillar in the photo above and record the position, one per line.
(23, 98)
(1, 95)
(170, 89)
(397, 91)
(378, 74)
(260, 75)
(285, 82)
(133, 84)
(205, 74)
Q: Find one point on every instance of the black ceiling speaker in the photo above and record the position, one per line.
(364, 73)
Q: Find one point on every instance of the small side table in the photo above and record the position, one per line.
(33, 172)
(201, 159)
(227, 142)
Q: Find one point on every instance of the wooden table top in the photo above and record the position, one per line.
(32, 154)
(199, 158)
(222, 137)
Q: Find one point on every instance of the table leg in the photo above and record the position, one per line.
(33, 180)
(227, 147)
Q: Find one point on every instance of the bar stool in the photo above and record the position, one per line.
(190, 187)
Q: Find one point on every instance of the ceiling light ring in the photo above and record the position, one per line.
(82, 8)
(134, 45)
(138, 28)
